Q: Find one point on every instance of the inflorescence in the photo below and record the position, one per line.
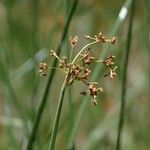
(79, 68)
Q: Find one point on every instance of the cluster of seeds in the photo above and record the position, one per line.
(87, 59)
(79, 68)
(109, 63)
(43, 69)
(102, 39)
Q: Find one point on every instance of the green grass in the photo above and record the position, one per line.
(124, 80)
(28, 30)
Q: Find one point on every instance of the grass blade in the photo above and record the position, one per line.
(57, 117)
(124, 81)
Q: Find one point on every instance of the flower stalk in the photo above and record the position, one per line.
(79, 70)
(89, 44)
(57, 117)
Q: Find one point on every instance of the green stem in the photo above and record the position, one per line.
(57, 117)
(49, 82)
(83, 50)
(124, 81)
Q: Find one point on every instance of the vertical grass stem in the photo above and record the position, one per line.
(124, 80)
(57, 117)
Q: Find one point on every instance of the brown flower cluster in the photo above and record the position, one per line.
(86, 57)
(109, 63)
(43, 69)
(102, 39)
(78, 72)
(73, 41)
(74, 71)
(79, 69)
(94, 91)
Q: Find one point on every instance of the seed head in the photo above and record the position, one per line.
(43, 69)
(76, 71)
(73, 40)
(86, 57)
(101, 38)
(94, 91)
(64, 62)
(112, 73)
(109, 61)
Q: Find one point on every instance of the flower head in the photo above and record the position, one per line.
(94, 91)
(73, 40)
(109, 61)
(86, 57)
(43, 69)
(100, 38)
(112, 73)
(77, 71)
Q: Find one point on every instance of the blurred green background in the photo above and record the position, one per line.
(28, 30)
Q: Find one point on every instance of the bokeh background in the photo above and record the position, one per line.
(28, 30)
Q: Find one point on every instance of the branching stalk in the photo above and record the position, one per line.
(83, 50)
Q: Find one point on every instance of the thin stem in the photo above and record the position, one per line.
(83, 50)
(50, 78)
(57, 117)
(71, 115)
(69, 55)
(124, 81)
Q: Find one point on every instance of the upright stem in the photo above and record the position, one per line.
(124, 81)
(60, 103)
(49, 82)
(57, 117)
